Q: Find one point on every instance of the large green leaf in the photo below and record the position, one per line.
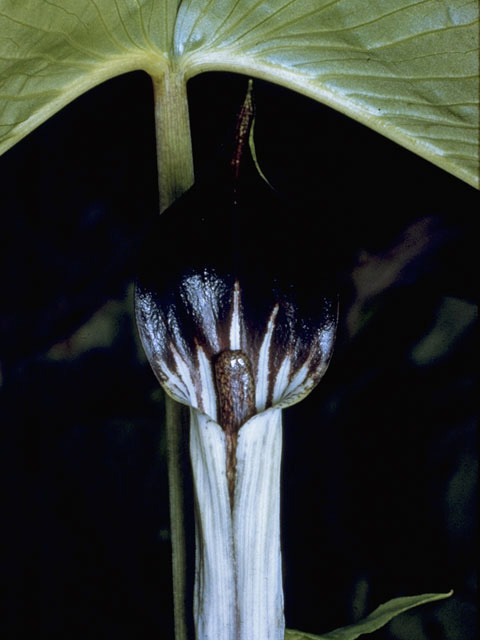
(406, 68)
(51, 51)
(376, 620)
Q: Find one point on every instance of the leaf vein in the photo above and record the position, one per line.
(422, 34)
(226, 18)
(145, 33)
(68, 13)
(308, 14)
(456, 124)
(439, 139)
(61, 34)
(37, 94)
(124, 27)
(49, 59)
(388, 77)
(410, 102)
(284, 25)
(109, 34)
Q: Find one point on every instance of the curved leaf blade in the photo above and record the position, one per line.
(408, 69)
(52, 51)
(376, 620)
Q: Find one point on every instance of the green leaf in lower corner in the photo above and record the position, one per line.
(377, 619)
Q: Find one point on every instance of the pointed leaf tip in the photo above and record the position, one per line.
(381, 616)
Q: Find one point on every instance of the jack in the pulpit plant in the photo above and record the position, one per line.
(233, 328)
(236, 365)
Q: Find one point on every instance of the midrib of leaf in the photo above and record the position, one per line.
(425, 146)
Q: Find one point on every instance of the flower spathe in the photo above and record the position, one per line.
(238, 585)
(237, 323)
(288, 356)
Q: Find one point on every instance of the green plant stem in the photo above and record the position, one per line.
(175, 176)
(174, 145)
(174, 429)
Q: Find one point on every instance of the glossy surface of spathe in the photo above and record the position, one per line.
(234, 284)
(288, 356)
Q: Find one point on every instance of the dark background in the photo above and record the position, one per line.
(380, 464)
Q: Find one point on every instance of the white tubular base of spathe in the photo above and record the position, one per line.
(256, 528)
(238, 583)
(214, 605)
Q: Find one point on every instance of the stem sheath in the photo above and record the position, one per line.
(175, 176)
(174, 430)
(174, 145)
